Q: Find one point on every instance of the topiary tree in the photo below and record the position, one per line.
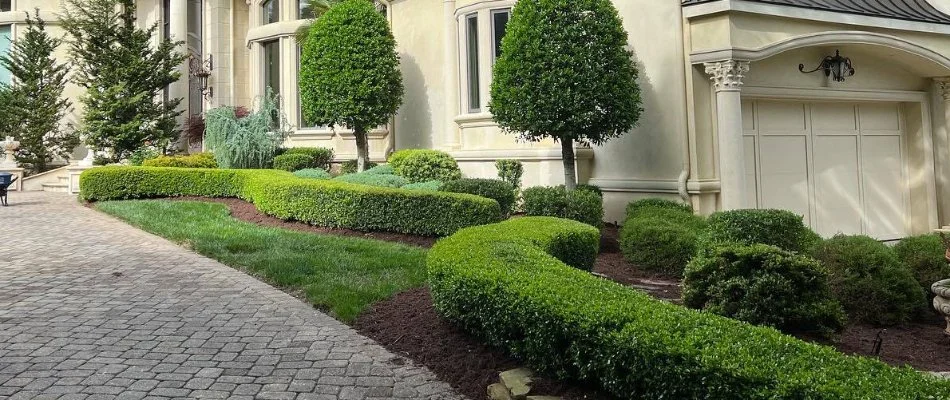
(349, 72)
(39, 108)
(565, 73)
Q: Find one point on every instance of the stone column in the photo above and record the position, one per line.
(727, 77)
(178, 28)
(450, 76)
(941, 142)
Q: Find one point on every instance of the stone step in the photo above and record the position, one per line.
(56, 187)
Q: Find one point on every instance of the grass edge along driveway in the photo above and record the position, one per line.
(340, 275)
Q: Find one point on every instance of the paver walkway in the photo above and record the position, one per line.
(92, 308)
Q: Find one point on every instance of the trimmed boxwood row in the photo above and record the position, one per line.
(511, 284)
(319, 202)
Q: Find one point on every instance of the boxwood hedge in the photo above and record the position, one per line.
(512, 284)
(281, 194)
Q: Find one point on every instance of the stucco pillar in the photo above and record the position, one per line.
(727, 77)
(450, 76)
(941, 140)
(178, 29)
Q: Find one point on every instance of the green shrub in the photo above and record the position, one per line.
(512, 285)
(363, 178)
(510, 171)
(420, 165)
(590, 188)
(494, 189)
(661, 238)
(292, 162)
(349, 166)
(328, 203)
(380, 170)
(869, 281)
(763, 285)
(251, 141)
(312, 173)
(197, 160)
(141, 154)
(636, 207)
(320, 157)
(779, 228)
(579, 205)
(925, 256)
(427, 185)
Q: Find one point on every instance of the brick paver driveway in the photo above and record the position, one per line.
(92, 308)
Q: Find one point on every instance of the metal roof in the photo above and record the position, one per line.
(910, 10)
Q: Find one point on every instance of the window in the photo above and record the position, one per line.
(499, 21)
(271, 11)
(306, 9)
(5, 43)
(6, 5)
(272, 66)
(471, 51)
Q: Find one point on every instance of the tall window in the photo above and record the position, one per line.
(5, 43)
(6, 5)
(499, 21)
(166, 19)
(471, 51)
(272, 65)
(305, 9)
(271, 10)
(195, 49)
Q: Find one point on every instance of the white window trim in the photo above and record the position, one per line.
(486, 57)
(491, 17)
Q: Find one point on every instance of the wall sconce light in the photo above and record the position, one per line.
(202, 71)
(836, 66)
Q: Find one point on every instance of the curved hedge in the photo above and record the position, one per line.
(511, 284)
(319, 202)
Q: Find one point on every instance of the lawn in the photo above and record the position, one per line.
(337, 274)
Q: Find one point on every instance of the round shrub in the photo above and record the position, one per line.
(427, 185)
(392, 181)
(869, 281)
(660, 239)
(349, 166)
(495, 189)
(197, 160)
(381, 170)
(292, 162)
(579, 205)
(312, 173)
(320, 157)
(925, 256)
(780, 228)
(634, 208)
(763, 285)
(420, 165)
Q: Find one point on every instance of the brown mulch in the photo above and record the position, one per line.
(246, 211)
(407, 325)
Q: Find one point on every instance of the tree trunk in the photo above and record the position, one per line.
(362, 148)
(570, 171)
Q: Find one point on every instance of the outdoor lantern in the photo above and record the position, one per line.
(836, 66)
(202, 70)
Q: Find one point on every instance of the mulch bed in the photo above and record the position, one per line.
(407, 324)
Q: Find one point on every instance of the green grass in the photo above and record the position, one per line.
(338, 274)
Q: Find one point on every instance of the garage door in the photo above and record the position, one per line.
(840, 166)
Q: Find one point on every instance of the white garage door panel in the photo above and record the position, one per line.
(750, 171)
(883, 186)
(784, 176)
(837, 185)
(838, 165)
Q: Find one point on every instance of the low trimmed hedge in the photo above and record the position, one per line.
(197, 160)
(496, 189)
(512, 285)
(292, 162)
(779, 228)
(420, 165)
(553, 201)
(319, 202)
(318, 157)
(660, 235)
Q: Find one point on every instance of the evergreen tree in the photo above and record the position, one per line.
(349, 72)
(33, 105)
(565, 73)
(124, 74)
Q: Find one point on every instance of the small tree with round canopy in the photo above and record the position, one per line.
(349, 72)
(565, 73)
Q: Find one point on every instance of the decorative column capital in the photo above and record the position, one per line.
(943, 83)
(727, 75)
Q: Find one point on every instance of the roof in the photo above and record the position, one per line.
(909, 10)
